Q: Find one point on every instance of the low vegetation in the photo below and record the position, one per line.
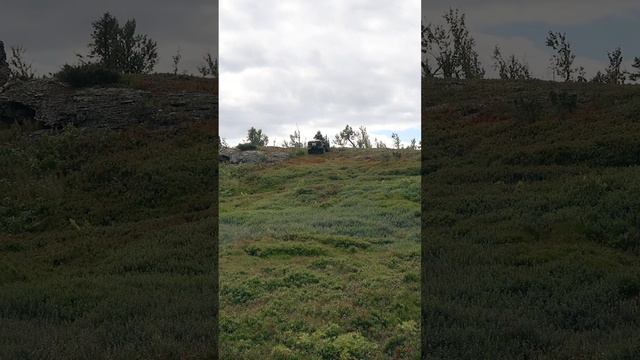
(320, 257)
(87, 75)
(107, 244)
(531, 233)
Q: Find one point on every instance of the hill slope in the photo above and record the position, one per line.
(319, 257)
(531, 220)
(107, 241)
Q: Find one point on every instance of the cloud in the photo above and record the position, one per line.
(318, 66)
(519, 27)
(54, 31)
(553, 12)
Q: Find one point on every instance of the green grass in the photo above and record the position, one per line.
(107, 244)
(531, 224)
(319, 257)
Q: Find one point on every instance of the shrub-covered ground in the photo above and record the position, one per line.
(107, 244)
(319, 257)
(531, 220)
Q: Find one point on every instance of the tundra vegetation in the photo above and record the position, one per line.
(319, 257)
(530, 225)
(106, 243)
(107, 237)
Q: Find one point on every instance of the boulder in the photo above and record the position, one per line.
(235, 156)
(54, 105)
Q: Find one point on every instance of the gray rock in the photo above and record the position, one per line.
(54, 104)
(279, 156)
(235, 156)
(251, 156)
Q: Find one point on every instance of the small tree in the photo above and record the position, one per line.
(18, 67)
(380, 144)
(512, 69)
(426, 46)
(412, 145)
(362, 138)
(599, 78)
(176, 61)
(396, 140)
(452, 49)
(256, 137)
(614, 73)
(582, 75)
(295, 139)
(636, 65)
(348, 135)
(120, 48)
(562, 60)
(209, 67)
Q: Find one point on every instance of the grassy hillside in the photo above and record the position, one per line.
(531, 221)
(319, 257)
(107, 243)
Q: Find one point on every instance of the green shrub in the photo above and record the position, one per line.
(246, 147)
(239, 295)
(281, 352)
(300, 279)
(563, 103)
(353, 346)
(287, 250)
(87, 75)
(527, 109)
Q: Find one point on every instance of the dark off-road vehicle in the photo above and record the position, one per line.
(317, 147)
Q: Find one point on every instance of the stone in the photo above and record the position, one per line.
(235, 156)
(54, 105)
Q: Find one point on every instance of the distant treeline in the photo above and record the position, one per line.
(358, 139)
(448, 51)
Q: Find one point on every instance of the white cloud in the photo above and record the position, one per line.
(319, 65)
(553, 12)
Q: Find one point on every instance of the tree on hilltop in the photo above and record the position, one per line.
(18, 66)
(119, 48)
(614, 73)
(362, 138)
(209, 67)
(356, 138)
(396, 140)
(452, 49)
(562, 60)
(346, 136)
(256, 137)
(510, 69)
(636, 65)
(296, 139)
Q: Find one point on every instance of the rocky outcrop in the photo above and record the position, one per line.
(4, 66)
(54, 105)
(235, 156)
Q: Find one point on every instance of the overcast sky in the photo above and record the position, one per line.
(54, 31)
(593, 27)
(319, 65)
